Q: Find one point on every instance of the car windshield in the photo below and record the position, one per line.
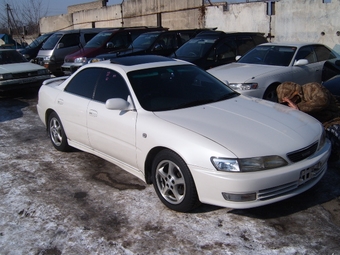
(98, 40)
(195, 48)
(144, 41)
(176, 87)
(269, 55)
(11, 57)
(37, 41)
(51, 42)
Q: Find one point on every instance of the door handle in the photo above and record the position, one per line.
(93, 113)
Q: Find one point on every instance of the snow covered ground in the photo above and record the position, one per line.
(54, 203)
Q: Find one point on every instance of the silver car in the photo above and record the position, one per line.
(262, 69)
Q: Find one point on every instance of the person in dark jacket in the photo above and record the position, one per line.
(315, 100)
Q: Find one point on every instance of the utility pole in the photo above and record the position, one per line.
(10, 20)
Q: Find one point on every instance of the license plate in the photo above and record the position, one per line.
(310, 173)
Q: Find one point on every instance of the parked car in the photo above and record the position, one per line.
(31, 50)
(330, 69)
(104, 42)
(61, 43)
(162, 43)
(214, 48)
(16, 72)
(333, 85)
(262, 69)
(172, 124)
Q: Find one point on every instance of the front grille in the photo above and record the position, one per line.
(301, 154)
(25, 75)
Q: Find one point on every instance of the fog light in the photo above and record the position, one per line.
(239, 197)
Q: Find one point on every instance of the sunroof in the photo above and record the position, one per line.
(136, 60)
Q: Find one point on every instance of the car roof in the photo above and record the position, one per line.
(131, 63)
(222, 34)
(290, 44)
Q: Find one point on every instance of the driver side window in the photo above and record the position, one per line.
(110, 85)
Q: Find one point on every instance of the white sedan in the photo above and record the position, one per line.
(263, 68)
(172, 124)
(16, 72)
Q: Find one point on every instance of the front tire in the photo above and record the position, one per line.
(270, 94)
(173, 182)
(56, 133)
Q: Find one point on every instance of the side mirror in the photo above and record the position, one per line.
(301, 62)
(60, 45)
(109, 45)
(119, 104)
(237, 58)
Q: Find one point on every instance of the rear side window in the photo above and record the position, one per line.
(244, 44)
(259, 39)
(322, 53)
(224, 50)
(84, 82)
(70, 40)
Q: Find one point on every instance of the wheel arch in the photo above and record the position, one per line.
(148, 162)
(270, 87)
(47, 115)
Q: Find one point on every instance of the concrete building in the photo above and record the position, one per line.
(280, 20)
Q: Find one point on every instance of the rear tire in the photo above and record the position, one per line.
(56, 133)
(173, 182)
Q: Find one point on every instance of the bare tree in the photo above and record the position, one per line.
(22, 16)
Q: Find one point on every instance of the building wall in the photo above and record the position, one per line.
(84, 7)
(302, 20)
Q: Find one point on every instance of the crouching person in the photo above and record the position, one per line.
(315, 100)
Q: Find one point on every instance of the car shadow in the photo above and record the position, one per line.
(325, 190)
(11, 103)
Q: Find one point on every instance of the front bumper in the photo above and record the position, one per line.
(262, 187)
(29, 82)
(69, 68)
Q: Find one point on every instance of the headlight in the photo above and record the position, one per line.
(47, 58)
(248, 164)
(27, 56)
(80, 60)
(243, 86)
(6, 76)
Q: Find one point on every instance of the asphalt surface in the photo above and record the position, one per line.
(56, 203)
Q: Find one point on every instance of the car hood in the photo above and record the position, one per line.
(122, 53)
(249, 127)
(83, 52)
(20, 67)
(240, 72)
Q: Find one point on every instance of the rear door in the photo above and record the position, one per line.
(72, 104)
